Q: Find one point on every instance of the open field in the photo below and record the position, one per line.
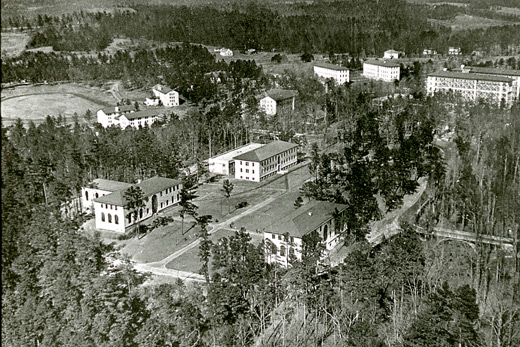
(465, 21)
(13, 44)
(189, 261)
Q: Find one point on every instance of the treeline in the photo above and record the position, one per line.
(186, 68)
(357, 27)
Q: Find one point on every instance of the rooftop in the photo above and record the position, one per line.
(149, 187)
(492, 71)
(331, 66)
(109, 185)
(281, 94)
(149, 112)
(121, 109)
(391, 51)
(305, 219)
(266, 151)
(162, 88)
(470, 76)
(385, 63)
(237, 151)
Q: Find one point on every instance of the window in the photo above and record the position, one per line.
(240, 169)
(273, 236)
(282, 251)
(247, 170)
(116, 219)
(86, 195)
(253, 171)
(292, 239)
(161, 204)
(109, 218)
(247, 163)
(141, 213)
(97, 195)
(147, 211)
(102, 216)
(279, 237)
(325, 232)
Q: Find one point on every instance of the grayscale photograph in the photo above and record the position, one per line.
(264, 173)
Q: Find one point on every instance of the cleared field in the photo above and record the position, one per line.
(13, 44)
(462, 22)
(515, 11)
(189, 261)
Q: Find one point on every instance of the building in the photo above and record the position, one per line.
(454, 51)
(224, 164)
(284, 238)
(266, 161)
(339, 74)
(277, 100)
(167, 96)
(392, 54)
(110, 209)
(428, 51)
(226, 52)
(513, 74)
(381, 70)
(473, 86)
(98, 188)
(122, 117)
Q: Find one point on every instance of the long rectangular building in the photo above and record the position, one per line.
(339, 74)
(382, 70)
(474, 86)
(224, 164)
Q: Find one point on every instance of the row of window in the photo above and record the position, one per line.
(247, 170)
(107, 206)
(274, 236)
(116, 218)
(169, 190)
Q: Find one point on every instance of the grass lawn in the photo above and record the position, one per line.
(13, 44)
(189, 261)
(161, 242)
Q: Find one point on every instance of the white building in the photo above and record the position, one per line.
(474, 86)
(339, 74)
(133, 118)
(381, 70)
(224, 164)
(226, 52)
(428, 51)
(106, 116)
(392, 54)
(284, 238)
(454, 51)
(111, 212)
(513, 74)
(168, 96)
(276, 100)
(266, 161)
(98, 188)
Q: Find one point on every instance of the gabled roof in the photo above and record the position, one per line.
(281, 94)
(470, 76)
(149, 187)
(331, 66)
(151, 112)
(229, 155)
(491, 71)
(384, 63)
(122, 109)
(266, 151)
(163, 89)
(392, 51)
(305, 219)
(109, 185)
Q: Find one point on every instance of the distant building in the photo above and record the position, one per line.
(226, 52)
(284, 238)
(454, 51)
(224, 164)
(277, 99)
(428, 51)
(469, 85)
(339, 74)
(168, 96)
(392, 54)
(381, 70)
(122, 117)
(266, 161)
(111, 211)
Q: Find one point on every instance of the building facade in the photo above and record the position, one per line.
(224, 164)
(266, 161)
(112, 214)
(339, 74)
(284, 238)
(98, 188)
(472, 86)
(109, 116)
(392, 54)
(382, 70)
(168, 96)
(133, 118)
(277, 100)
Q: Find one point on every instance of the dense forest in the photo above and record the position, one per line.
(356, 27)
(61, 287)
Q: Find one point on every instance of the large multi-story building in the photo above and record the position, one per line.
(284, 238)
(509, 73)
(381, 70)
(339, 74)
(266, 161)
(474, 86)
(111, 212)
(167, 96)
(122, 117)
(277, 100)
(224, 164)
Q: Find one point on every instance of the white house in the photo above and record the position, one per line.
(226, 52)
(266, 161)
(392, 54)
(473, 86)
(168, 96)
(339, 74)
(224, 164)
(158, 192)
(107, 116)
(276, 100)
(132, 118)
(381, 70)
(98, 188)
(284, 238)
